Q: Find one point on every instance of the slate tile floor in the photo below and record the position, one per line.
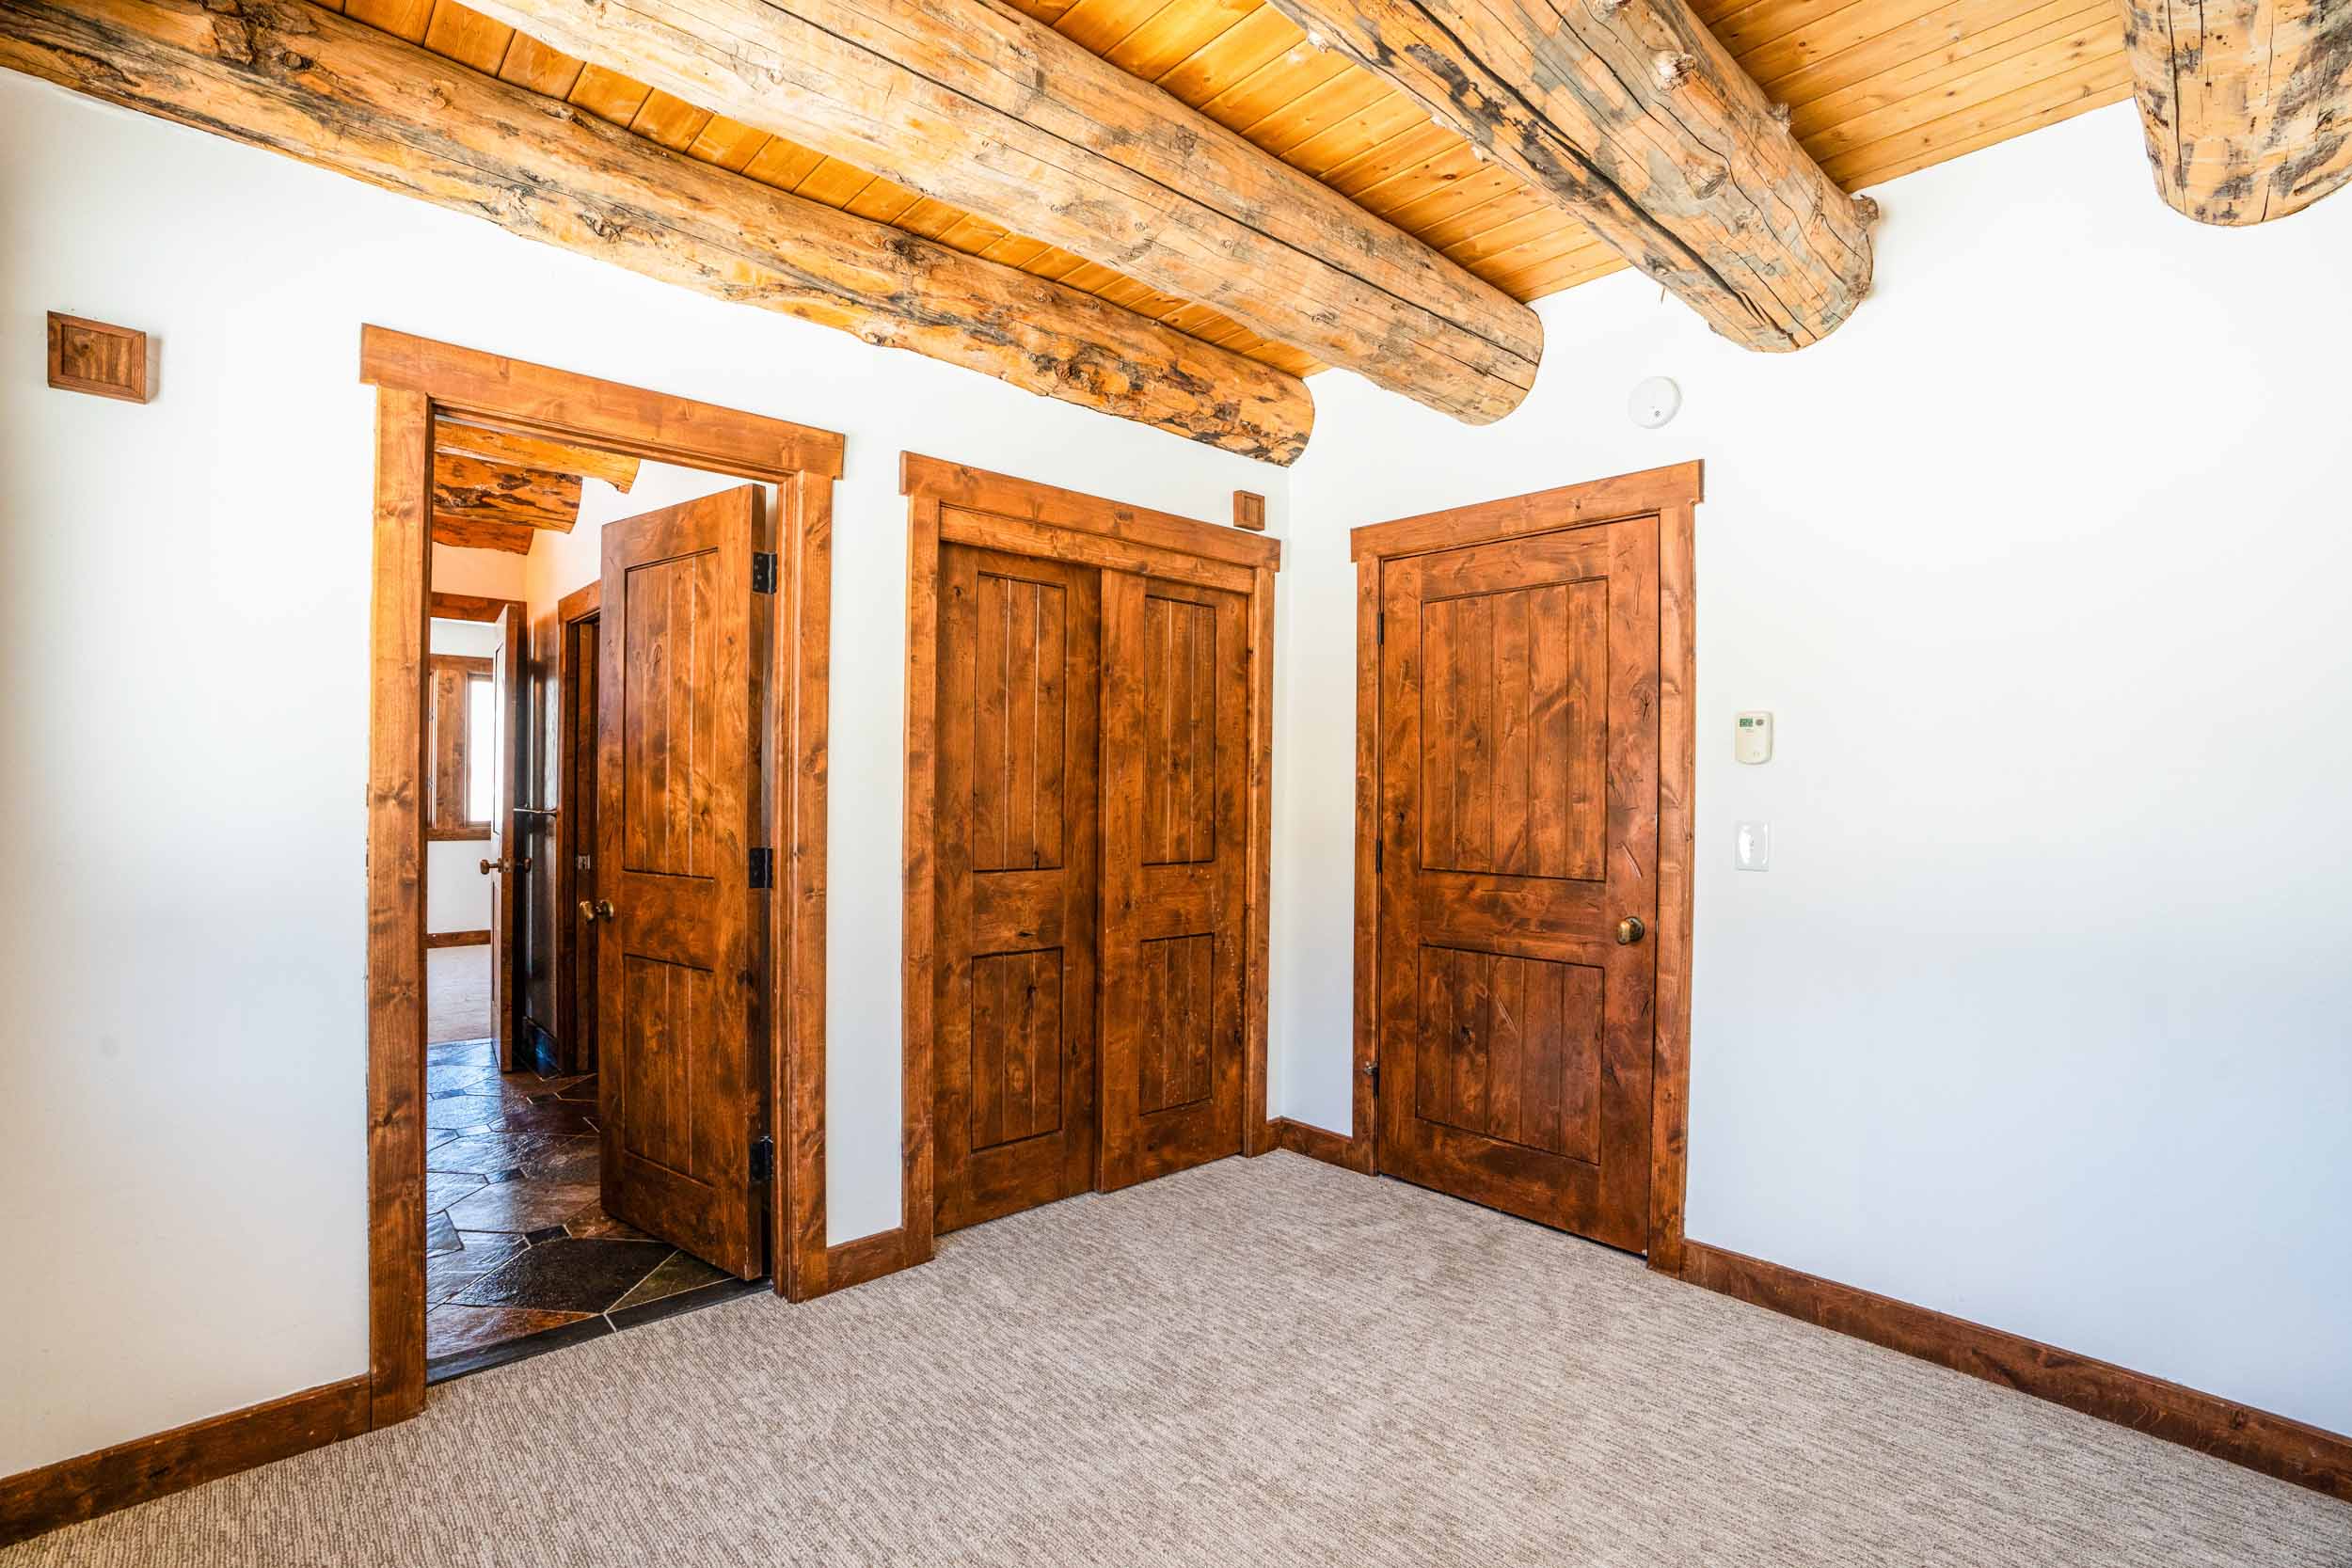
(516, 1246)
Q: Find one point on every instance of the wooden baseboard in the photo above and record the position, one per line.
(1317, 1143)
(73, 1490)
(867, 1259)
(457, 939)
(2274, 1444)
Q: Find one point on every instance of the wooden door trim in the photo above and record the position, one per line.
(563, 665)
(1067, 525)
(418, 380)
(1672, 495)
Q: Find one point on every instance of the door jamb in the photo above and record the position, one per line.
(561, 679)
(416, 378)
(1670, 495)
(1026, 517)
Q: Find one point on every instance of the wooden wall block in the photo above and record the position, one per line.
(92, 356)
(1249, 512)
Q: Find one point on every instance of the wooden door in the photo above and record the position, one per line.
(1175, 765)
(1017, 869)
(579, 724)
(680, 957)
(505, 844)
(1518, 828)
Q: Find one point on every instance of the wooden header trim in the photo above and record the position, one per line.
(1601, 500)
(565, 405)
(2275, 1445)
(73, 1490)
(957, 484)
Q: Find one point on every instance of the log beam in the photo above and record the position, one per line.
(468, 491)
(977, 105)
(615, 469)
(1637, 120)
(2246, 104)
(287, 76)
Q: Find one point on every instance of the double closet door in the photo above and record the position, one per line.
(1089, 864)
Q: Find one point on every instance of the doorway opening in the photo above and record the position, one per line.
(1089, 718)
(595, 905)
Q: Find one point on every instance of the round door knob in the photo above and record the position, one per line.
(488, 866)
(600, 910)
(1629, 930)
(588, 912)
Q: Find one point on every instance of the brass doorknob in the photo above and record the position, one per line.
(1629, 930)
(591, 912)
(488, 866)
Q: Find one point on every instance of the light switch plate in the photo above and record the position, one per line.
(1752, 847)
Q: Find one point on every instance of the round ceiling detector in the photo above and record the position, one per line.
(1654, 402)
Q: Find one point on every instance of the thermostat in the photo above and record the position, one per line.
(1752, 739)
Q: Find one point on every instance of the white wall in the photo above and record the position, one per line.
(2042, 1015)
(457, 894)
(172, 990)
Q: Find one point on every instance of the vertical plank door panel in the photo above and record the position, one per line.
(1015, 884)
(679, 962)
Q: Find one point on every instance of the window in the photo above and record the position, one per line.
(464, 725)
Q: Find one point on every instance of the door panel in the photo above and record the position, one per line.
(1017, 868)
(1519, 745)
(679, 958)
(1175, 685)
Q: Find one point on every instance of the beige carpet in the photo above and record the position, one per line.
(456, 993)
(1267, 1362)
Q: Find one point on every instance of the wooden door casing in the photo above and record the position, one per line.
(579, 705)
(1017, 864)
(1175, 864)
(1518, 746)
(681, 959)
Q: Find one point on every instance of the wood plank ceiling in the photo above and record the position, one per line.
(1875, 89)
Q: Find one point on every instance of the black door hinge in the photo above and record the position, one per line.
(1371, 1073)
(763, 571)
(763, 868)
(763, 1158)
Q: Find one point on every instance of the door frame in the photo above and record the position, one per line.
(1026, 517)
(1670, 495)
(417, 379)
(561, 681)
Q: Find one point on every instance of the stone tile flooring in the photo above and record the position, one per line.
(517, 1246)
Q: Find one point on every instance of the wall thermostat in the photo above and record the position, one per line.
(1752, 738)
(1654, 402)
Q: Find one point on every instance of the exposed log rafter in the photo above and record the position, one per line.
(498, 506)
(2246, 104)
(531, 452)
(1631, 114)
(305, 82)
(971, 103)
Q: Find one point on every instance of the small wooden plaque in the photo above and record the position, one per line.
(92, 356)
(1249, 512)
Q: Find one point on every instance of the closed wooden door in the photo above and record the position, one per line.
(1175, 717)
(679, 957)
(1017, 866)
(1518, 874)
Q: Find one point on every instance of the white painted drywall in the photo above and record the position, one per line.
(457, 894)
(182, 909)
(2042, 1015)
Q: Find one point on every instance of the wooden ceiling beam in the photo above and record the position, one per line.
(1631, 116)
(468, 488)
(615, 469)
(974, 104)
(2246, 104)
(299, 80)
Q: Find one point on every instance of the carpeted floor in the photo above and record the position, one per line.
(456, 993)
(1265, 1362)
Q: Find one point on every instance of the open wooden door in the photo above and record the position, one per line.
(1518, 873)
(1175, 769)
(680, 950)
(501, 862)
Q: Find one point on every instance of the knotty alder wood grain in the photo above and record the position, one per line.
(530, 452)
(1631, 114)
(974, 104)
(2246, 104)
(299, 80)
(498, 506)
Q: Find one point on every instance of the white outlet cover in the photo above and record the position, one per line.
(1654, 402)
